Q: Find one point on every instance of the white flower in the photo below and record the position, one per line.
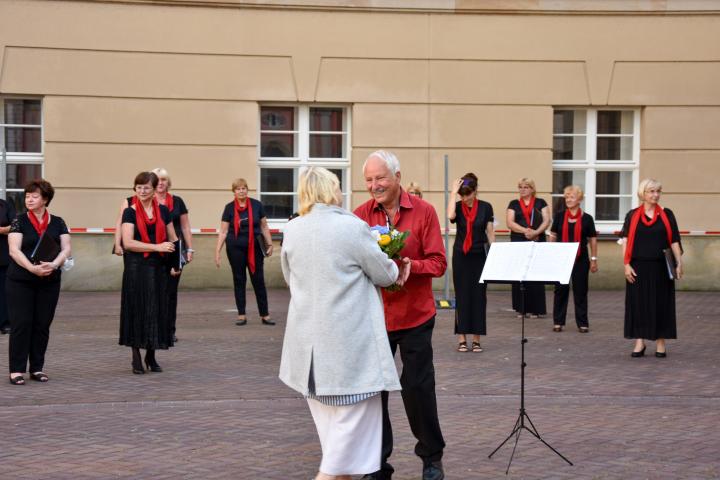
(376, 235)
(394, 233)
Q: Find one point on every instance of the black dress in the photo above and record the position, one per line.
(179, 209)
(236, 248)
(470, 294)
(534, 293)
(580, 272)
(144, 316)
(650, 301)
(7, 215)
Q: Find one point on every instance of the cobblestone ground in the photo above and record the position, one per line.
(219, 411)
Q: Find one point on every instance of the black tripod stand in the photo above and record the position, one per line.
(520, 423)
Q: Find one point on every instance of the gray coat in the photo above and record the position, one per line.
(335, 319)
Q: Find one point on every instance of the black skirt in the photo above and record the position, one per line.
(144, 315)
(470, 294)
(650, 302)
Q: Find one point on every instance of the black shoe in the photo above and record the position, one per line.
(638, 354)
(661, 354)
(242, 322)
(583, 329)
(5, 330)
(379, 475)
(151, 363)
(433, 471)
(137, 366)
(267, 321)
(174, 339)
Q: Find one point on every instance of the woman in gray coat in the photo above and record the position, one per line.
(336, 351)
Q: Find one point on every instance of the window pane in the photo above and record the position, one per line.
(615, 122)
(277, 118)
(569, 148)
(562, 179)
(607, 208)
(19, 175)
(278, 207)
(22, 112)
(18, 201)
(280, 145)
(326, 146)
(339, 173)
(326, 119)
(277, 180)
(569, 121)
(614, 148)
(23, 140)
(614, 183)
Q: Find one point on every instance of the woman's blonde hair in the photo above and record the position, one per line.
(527, 181)
(162, 173)
(414, 187)
(317, 185)
(238, 182)
(576, 189)
(646, 185)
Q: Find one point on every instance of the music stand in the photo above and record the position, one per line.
(525, 263)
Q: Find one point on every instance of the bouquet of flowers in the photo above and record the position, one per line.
(391, 241)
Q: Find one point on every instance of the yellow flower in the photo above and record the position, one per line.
(384, 240)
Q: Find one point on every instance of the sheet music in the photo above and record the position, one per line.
(530, 262)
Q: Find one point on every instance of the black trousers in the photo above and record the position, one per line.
(418, 394)
(31, 310)
(237, 257)
(172, 293)
(579, 282)
(4, 322)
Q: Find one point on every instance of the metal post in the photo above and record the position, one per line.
(3, 174)
(447, 231)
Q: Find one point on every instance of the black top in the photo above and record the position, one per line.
(651, 241)
(130, 216)
(229, 216)
(587, 230)
(536, 218)
(21, 224)
(7, 215)
(479, 234)
(178, 210)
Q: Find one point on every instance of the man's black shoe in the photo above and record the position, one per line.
(433, 471)
(379, 475)
(5, 330)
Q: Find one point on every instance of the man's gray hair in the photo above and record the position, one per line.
(389, 158)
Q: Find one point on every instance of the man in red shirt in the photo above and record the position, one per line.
(409, 313)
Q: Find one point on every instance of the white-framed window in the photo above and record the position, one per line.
(21, 146)
(599, 150)
(296, 136)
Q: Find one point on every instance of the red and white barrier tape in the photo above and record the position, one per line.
(694, 233)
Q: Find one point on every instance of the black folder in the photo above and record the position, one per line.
(46, 249)
(178, 258)
(670, 263)
(263, 244)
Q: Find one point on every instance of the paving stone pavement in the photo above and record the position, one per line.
(219, 411)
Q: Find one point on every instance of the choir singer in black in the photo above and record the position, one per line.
(573, 225)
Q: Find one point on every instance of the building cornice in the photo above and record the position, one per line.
(552, 7)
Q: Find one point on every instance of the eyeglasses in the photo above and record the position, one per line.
(143, 188)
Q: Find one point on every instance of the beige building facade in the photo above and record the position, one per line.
(596, 93)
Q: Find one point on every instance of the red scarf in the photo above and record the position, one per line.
(635, 219)
(251, 234)
(527, 211)
(39, 226)
(578, 227)
(143, 221)
(168, 201)
(469, 214)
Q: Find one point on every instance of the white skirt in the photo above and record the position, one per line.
(350, 436)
